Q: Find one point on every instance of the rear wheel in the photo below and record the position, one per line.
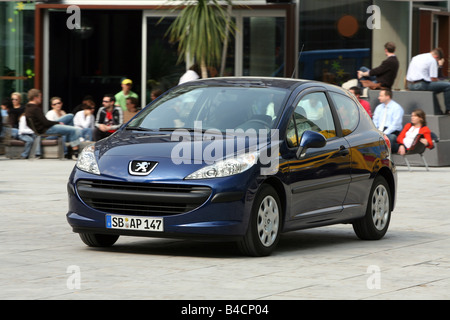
(265, 224)
(374, 224)
(98, 240)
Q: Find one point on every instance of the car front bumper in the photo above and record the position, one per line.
(202, 208)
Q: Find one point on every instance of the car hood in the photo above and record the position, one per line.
(179, 155)
(183, 146)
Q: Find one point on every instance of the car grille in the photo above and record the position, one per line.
(142, 199)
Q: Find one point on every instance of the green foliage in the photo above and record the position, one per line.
(200, 30)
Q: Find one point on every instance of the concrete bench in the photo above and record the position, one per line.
(437, 157)
(433, 105)
(440, 155)
(51, 149)
(410, 100)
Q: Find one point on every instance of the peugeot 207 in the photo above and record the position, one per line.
(241, 159)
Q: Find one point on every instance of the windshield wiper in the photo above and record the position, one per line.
(139, 129)
(199, 130)
(187, 129)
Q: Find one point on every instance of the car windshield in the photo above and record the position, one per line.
(213, 107)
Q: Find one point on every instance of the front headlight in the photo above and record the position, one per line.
(86, 160)
(226, 167)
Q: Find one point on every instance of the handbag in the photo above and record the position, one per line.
(417, 146)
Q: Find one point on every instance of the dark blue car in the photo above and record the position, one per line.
(242, 159)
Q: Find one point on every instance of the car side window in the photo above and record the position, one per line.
(348, 112)
(291, 134)
(311, 113)
(315, 109)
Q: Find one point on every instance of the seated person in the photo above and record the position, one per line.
(27, 135)
(85, 120)
(417, 126)
(313, 107)
(388, 117)
(366, 105)
(57, 113)
(312, 113)
(384, 74)
(109, 118)
(132, 109)
(35, 115)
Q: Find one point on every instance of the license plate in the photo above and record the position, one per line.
(134, 223)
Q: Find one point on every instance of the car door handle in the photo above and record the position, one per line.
(343, 151)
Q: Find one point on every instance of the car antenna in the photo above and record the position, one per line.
(298, 61)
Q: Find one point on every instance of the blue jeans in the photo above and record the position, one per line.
(86, 134)
(66, 119)
(393, 139)
(436, 87)
(71, 135)
(29, 139)
(371, 78)
(14, 133)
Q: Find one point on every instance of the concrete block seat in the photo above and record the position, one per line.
(437, 157)
(439, 124)
(51, 148)
(410, 100)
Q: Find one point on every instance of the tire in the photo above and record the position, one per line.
(264, 227)
(375, 223)
(98, 240)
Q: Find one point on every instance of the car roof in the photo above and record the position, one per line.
(285, 83)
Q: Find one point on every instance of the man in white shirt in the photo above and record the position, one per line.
(422, 75)
(388, 117)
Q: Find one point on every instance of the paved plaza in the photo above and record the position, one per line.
(41, 258)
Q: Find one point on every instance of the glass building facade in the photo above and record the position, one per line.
(334, 39)
(16, 47)
(324, 40)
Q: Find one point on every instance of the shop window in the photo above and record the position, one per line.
(16, 47)
(335, 39)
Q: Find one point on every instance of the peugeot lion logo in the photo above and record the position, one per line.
(141, 168)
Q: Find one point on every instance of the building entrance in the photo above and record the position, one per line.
(94, 59)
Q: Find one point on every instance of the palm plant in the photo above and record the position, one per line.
(201, 30)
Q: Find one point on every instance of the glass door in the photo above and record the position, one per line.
(16, 48)
(261, 42)
(159, 56)
(257, 48)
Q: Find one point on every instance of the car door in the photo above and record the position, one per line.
(318, 177)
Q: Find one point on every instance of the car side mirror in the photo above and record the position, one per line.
(310, 139)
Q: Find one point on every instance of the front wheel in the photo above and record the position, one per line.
(98, 240)
(374, 224)
(265, 224)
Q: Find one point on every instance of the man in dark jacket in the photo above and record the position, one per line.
(385, 73)
(38, 122)
(109, 118)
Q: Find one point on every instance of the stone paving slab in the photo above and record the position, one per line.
(41, 259)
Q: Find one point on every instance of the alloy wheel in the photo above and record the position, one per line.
(268, 221)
